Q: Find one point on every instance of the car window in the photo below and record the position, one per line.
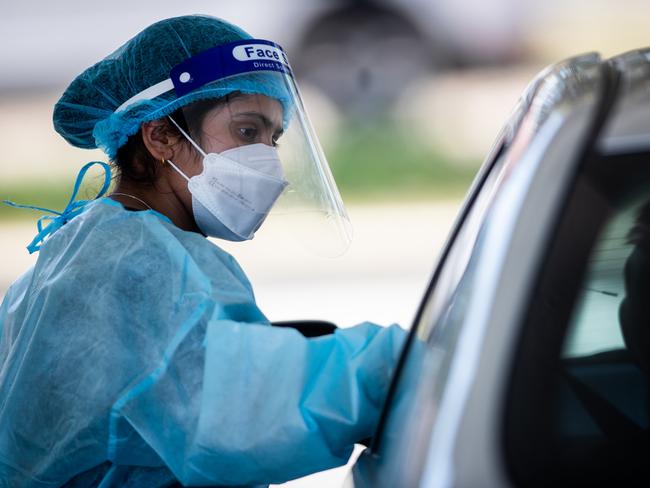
(594, 325)
(579, 407)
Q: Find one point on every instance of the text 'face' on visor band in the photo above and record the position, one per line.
(215, 64)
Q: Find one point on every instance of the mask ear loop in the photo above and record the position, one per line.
(196, 146)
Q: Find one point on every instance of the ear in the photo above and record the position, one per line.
(158, 139)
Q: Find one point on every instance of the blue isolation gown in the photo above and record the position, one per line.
(133, 354)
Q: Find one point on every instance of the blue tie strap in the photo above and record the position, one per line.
(72, 209)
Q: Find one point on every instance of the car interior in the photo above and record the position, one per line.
(579, 405)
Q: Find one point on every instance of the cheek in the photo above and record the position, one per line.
(216, 136)
(217, 144)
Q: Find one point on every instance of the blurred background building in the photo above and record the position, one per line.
(407, 96)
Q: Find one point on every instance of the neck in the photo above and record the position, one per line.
(160, 198)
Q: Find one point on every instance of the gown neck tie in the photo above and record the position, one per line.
(72, 209)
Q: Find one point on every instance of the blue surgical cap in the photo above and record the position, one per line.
(86, 116)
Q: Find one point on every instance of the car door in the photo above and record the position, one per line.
(456, 356)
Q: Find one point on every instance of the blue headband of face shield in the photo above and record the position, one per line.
(257, 60)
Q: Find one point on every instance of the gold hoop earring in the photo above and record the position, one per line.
(162, 161)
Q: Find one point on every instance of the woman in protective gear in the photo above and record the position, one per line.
(133, 352)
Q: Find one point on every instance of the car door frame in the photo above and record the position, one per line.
(467, 427)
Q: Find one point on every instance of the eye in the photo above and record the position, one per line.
(248, 134)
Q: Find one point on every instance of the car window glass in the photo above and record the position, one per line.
(581, 385)
(603, 393)
(594, 325)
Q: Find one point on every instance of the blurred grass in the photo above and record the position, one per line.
(371, 163)
(384, 162)
(52, 195)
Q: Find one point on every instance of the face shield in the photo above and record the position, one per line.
(260, 155)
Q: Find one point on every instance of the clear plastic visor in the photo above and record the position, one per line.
(263, 127)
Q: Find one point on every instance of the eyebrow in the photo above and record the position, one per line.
(268, 123)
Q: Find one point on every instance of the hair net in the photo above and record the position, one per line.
(85, 115)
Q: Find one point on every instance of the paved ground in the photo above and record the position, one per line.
(380, 279)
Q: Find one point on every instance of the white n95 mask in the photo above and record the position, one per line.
(234, 193)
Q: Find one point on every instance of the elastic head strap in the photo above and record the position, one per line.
(178, 169)
(196, 146)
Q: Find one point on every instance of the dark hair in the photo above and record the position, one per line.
(134, 161)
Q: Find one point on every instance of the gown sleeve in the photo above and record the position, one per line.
(261, 404)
